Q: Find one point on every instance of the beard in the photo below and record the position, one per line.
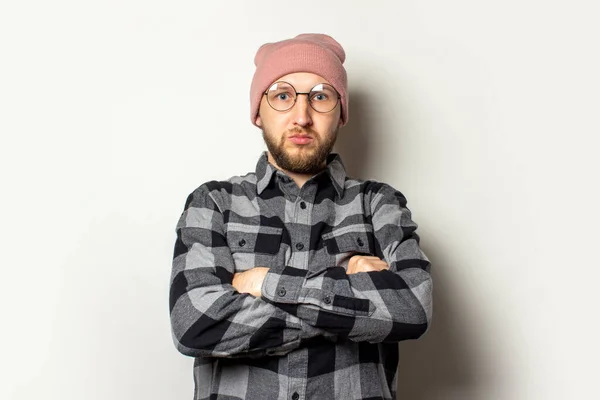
(306, 159)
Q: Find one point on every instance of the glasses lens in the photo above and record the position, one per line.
(323, 97)
(281, 96)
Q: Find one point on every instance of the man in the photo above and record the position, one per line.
(296, 281)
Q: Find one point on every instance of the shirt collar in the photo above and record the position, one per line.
(335, 170)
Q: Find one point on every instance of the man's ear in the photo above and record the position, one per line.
(259, 121)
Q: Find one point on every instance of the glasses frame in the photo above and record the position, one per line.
(337, 101)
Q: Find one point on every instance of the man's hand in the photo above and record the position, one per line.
(250, 281)
(365, 264)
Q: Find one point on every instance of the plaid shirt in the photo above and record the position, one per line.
(316, 332)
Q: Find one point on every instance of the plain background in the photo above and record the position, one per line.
(483, 113)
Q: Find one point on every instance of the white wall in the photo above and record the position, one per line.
(483, 113)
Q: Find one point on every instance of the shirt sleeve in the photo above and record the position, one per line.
(382, 306)
(208, 316)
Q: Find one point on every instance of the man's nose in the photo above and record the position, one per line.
(302, 111)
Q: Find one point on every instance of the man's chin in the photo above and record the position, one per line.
(296, 151)
(296, 163)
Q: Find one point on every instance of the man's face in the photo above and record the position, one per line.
(300, 139)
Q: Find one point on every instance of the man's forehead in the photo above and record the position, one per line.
(302, 79)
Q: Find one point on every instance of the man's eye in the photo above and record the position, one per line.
(320, 97)
(283, 96)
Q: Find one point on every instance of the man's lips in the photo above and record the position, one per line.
(300, 138)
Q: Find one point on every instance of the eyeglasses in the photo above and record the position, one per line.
(282, 96)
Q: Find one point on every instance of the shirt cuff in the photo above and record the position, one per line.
(283, 285)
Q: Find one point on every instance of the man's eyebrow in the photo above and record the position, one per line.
(276, 85)
(323, 86)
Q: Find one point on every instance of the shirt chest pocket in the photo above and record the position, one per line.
(254, 246)
(344, 242)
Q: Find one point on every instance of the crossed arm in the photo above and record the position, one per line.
(269, 311)
(251, 281)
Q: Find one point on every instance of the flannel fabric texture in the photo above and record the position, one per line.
(315, 332)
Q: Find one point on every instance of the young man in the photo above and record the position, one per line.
(296, 281)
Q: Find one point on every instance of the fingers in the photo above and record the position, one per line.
(365, 264)
(250, 281)
(369, 268)
(374, 262)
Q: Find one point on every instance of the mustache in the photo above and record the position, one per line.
(307, 131)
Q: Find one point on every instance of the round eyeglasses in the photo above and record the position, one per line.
(282, 96)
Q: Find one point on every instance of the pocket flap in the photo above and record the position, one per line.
(357, 238)
(243, 238)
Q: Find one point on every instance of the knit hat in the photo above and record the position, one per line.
(316, 53)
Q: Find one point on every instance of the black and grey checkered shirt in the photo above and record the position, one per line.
(316, 332)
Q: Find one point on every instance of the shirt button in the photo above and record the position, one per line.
(302, 205)
(281, 292)
(359, 241)
(242, 242)
(299, 246)
(327, 300)
(295, 396)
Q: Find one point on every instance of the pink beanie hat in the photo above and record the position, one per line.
(316, 53)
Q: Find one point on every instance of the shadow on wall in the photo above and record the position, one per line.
(442, 364)
(353, 139)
